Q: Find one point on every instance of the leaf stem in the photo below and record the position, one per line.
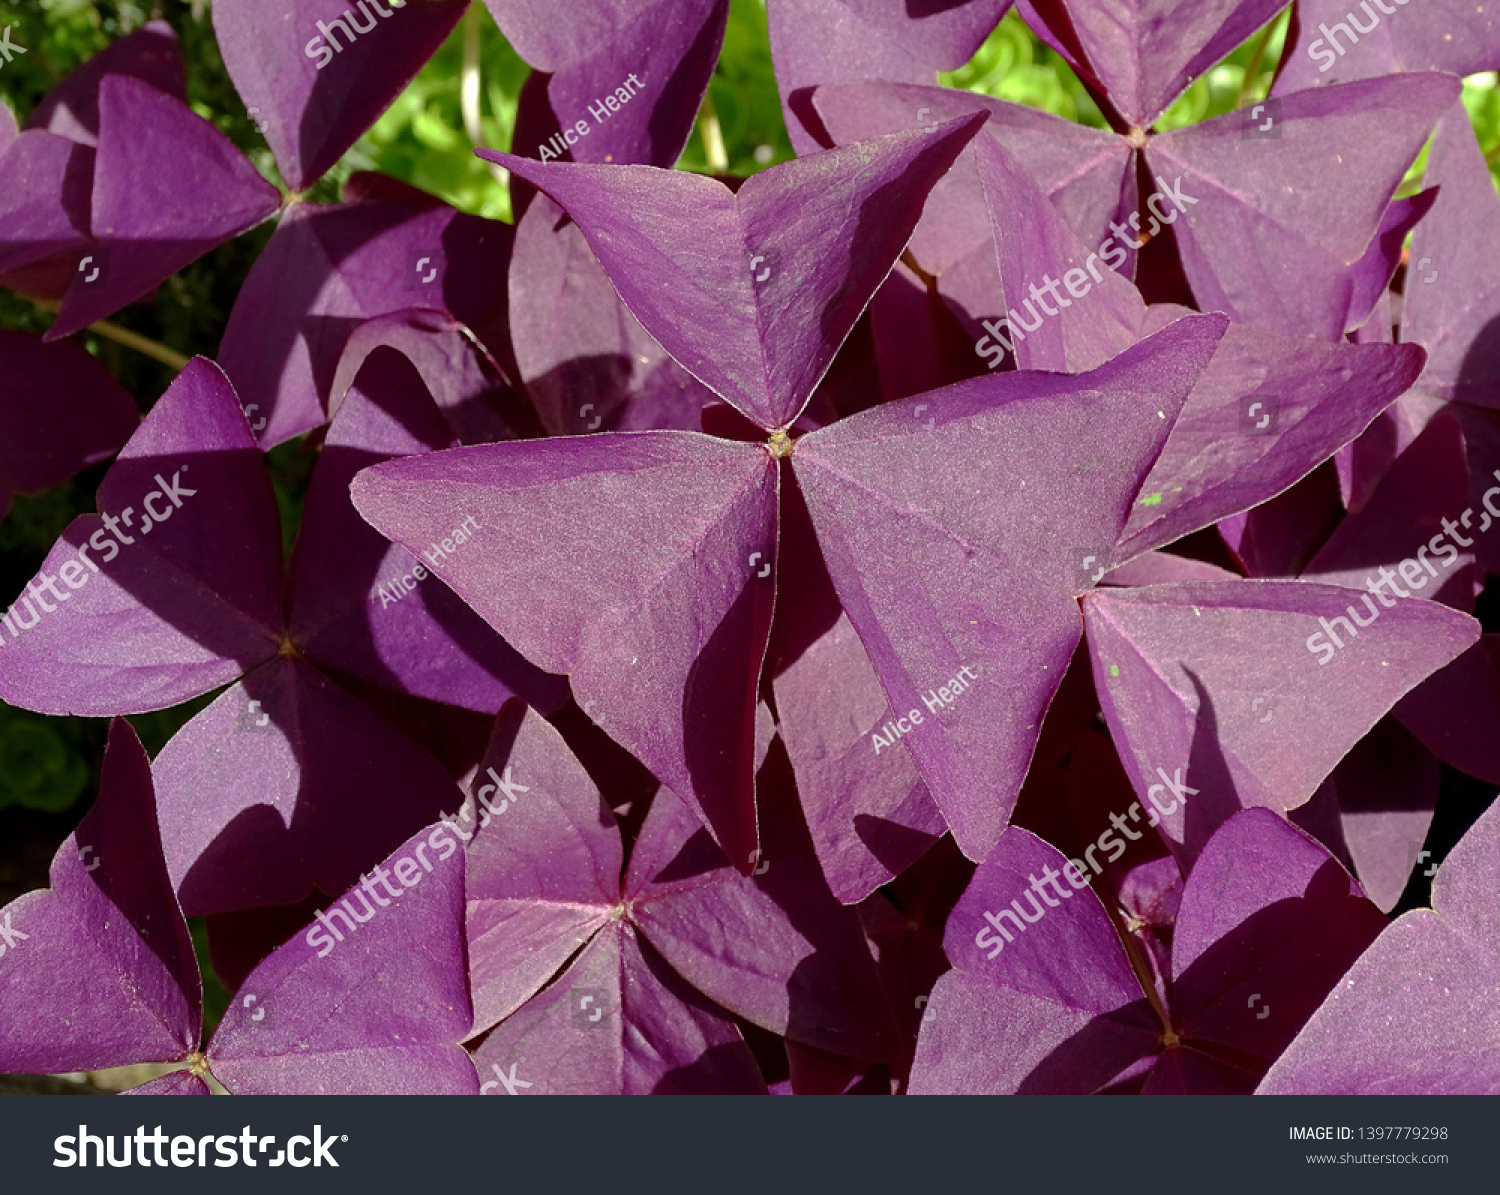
(1252, 69)
(469, 89)
(131, 340)
(713, 137)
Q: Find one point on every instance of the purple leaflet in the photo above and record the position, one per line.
(1417, 512)
(189, 596)
(869, 813)
(1454, 713)
(1417, 1012)
(44, 211)
(1278, 538)
(1357, 40)
(168, 187)
(1381, 796)
(98, 970)
(796, 962)
(368, 608)
(920, 530)
(177, 599)
(1032, 241)
(1260, 243)
(1187, 674)
(814, 42)
(454, 367)
(1374, 271)
(1051, 1003)
(585, 361)
(753, 292)
(1081, 170)
(324, 70)
(1414, 537)
(1452, 294)
(323, 786)
(1266, 411)
(44, 215)
(624, 78)
(107, 945)
(327, 270)
(545, 879)
(149, 55)
(662, 626)
(1144, 55)
(379, 1013)
(1163, 568)
(59, 411)
(653, 1033)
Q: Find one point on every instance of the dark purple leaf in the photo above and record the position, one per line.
(918, 573)
(1259, 242)
(631, 73)
(372, 999)
(328, 270)
(1145, 55)
(753, 292)
(586, 362)
(59, 411)
(168, 187)
(1218, 695)
(814, 42)
(98, 970)
(1416, 1013)
(1357, 42)
(323, 71)
(150, 55)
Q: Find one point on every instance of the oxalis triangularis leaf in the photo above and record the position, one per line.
(197, 597)
(608, 972)
(699, 592)
(1055, 995)
(983, 743)
(101, 973)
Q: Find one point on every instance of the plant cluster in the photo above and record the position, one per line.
(940, 596)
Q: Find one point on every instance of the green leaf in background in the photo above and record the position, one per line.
(1014, 65)
(38, 767)
(215, 996)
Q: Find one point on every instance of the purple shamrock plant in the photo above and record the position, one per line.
(108, 945)
(990, 605)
